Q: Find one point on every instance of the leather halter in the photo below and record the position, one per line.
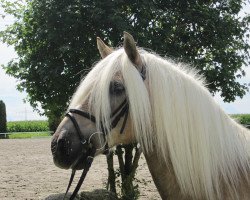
(123, 108)
(120, 111)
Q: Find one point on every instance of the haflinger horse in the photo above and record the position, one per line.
(193, 149)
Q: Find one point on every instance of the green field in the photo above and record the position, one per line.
(28, 135)
(27, 129)
(40, 128)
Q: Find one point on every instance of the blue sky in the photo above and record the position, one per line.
(18, 110)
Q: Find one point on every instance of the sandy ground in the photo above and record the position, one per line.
(27, 172)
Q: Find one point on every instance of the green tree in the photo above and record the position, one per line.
(56, 42)
(3, 121)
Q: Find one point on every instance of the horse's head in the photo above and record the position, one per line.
(99, 116)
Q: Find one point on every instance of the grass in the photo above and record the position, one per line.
(29, 135)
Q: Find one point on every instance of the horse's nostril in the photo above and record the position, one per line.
(61, 143)
(62, 146)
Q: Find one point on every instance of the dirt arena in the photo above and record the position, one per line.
(27, 172)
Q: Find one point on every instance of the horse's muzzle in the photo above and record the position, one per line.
(67, 153)
(60, 151)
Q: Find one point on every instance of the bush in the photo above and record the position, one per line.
(3, 127)
(53, 122)
(27, 126)
(242, 118)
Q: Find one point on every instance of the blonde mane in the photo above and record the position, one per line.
(174, 112)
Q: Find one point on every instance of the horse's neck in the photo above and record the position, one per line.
(167, 185)
(163, 177)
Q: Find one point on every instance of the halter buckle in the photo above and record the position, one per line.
(84, 142)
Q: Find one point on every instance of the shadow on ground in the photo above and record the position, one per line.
(99, 194)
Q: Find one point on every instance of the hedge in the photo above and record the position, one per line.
(41, 125)
(242, 118)
(27, 126)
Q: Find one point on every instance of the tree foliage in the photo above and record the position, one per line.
(3, 120)
(56, 41)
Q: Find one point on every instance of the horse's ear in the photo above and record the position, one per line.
(103, 48)
(131, 50)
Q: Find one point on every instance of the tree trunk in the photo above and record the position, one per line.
(127, 167)
(111, 173)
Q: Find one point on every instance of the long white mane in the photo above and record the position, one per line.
(174, 111)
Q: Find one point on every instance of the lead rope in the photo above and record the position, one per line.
(90, 159)
(70, 182)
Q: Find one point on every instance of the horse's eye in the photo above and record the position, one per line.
(116, 88)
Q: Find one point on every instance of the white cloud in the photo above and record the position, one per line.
(246, 9)
(247, 77)
(15, 107)
(239, 106)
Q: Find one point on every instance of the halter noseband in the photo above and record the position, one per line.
(120, 111)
